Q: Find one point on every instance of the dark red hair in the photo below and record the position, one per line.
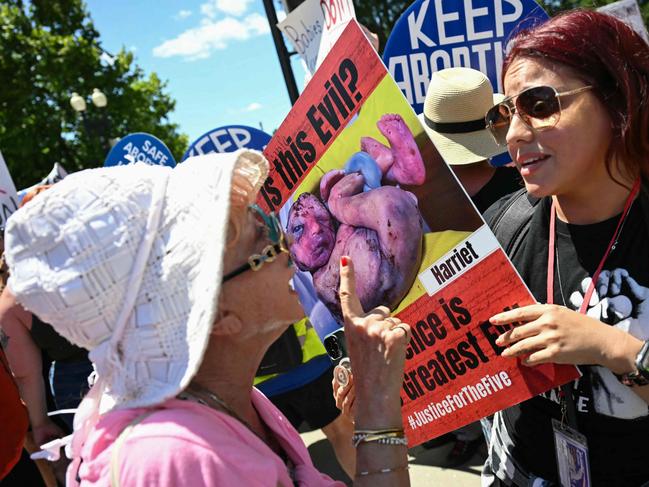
(609, 55)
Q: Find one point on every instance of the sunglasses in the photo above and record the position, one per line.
(538, 107)
(269, 253)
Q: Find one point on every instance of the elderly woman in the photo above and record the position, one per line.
(177, 285)
(576, 122)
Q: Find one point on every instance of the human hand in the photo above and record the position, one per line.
(377, 350)
(371, 36)
(552, 333)
(46, 431)
(344, 396)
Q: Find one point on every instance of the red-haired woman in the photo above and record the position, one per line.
(576, 123)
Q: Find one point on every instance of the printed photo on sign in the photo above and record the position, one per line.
(354, 173)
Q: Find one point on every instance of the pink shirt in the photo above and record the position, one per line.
(188, 444)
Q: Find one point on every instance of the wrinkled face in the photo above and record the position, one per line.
(270, 311)
(570, 157)
(312, 230)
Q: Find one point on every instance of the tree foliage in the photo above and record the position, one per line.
(49, 49)
(380, 16)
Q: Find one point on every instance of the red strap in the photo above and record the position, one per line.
(551, 249)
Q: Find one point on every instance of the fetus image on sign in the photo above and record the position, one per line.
(361, 211)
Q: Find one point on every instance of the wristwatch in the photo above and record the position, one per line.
(642, 360)
(640, 376)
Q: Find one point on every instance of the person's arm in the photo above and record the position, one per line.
(377, 349)
(553, 333)
(26, 364)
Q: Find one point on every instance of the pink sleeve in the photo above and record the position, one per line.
(169, 460)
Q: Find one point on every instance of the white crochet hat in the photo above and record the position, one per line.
(127, 262)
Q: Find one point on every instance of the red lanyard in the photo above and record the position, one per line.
(551, 250)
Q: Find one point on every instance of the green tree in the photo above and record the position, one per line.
(555, 6)
(380, 16)
(49, 49)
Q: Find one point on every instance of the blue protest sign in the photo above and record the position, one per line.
(140, 147)
(228, 139)
(433, 34)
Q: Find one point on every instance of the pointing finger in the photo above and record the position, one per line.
(349, 302)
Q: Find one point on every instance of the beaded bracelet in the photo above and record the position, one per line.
(396, 438)
(379, 432)
(365, 473)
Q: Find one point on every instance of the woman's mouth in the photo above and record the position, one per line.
(528, 164)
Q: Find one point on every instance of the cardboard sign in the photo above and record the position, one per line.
(314, 26)
(228, 139)
(433, 34)
(628, 11)
(8, 197)
(417, 242)
(140, 147)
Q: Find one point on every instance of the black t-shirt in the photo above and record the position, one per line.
(505, 180)
(612, 417)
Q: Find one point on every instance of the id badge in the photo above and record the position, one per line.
(572, 456)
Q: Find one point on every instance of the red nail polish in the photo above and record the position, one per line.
(344, 261)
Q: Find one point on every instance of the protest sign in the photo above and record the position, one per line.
(140, 147)
(314, 26)
(8, 196)
(433, 34)
(418, 244)
(228, 139)
(628, 11)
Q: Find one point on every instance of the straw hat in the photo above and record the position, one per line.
(456, 103)
(127, 261)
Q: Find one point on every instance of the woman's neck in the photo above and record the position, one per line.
(228, 370)
(593, 203)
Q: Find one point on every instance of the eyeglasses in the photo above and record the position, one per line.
(269, 253)
(538, 107)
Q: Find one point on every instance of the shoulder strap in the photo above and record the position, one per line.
(511, 222)
(644, 201)
(114, 456)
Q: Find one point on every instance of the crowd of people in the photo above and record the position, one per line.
(176, 322)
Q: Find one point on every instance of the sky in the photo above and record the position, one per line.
(217, 56)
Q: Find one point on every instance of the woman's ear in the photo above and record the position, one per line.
(226, 324)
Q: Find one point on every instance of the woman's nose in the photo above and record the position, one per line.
(518, 131)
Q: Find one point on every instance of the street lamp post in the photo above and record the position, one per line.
(282, 53)
(96, 125)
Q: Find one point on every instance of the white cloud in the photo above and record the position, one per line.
(199, 42)
(254, 106)
(230, 7)
(182, 14)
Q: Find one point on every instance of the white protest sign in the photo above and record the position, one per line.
(314, 26)
(337, 14)
(8, 197)
(628, 11)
